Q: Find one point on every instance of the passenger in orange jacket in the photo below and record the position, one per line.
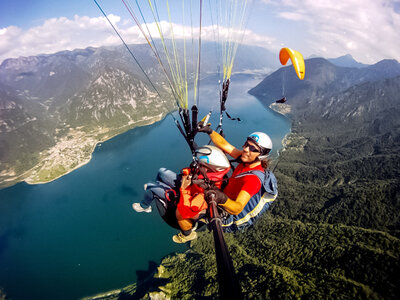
(180, 198)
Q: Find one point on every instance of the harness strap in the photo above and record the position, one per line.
(217, 220)
(167, 193)
(233, 119)
(258, 173)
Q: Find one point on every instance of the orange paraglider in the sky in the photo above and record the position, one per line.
(296, 58)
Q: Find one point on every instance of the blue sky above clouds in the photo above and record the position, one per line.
(367, 29)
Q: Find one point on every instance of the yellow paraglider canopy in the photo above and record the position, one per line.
(296, 58)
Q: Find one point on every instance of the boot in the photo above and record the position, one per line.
(181, 238)
(136, 207)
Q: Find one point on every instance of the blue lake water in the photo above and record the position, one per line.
(78, 236)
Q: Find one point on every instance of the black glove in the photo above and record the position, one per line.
(201, 183)
(214, 193)
(204, 128)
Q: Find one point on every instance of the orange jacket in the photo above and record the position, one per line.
(191, 200)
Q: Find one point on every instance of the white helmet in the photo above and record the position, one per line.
(263, 141)
(212, 157)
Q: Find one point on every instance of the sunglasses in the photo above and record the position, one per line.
(252, 148)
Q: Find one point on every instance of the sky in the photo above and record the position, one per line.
(369, 30)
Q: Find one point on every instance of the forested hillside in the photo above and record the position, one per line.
(334, 230)
(345, 153)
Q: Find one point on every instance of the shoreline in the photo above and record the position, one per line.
(69, 171)
(162, 117)
(28, 175)
(285, 111)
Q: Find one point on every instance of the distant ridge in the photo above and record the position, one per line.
(347, 61)
(322, 78)
(342, 61)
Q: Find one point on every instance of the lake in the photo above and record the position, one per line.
(78, 236)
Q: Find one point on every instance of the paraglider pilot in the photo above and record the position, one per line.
(252, 186)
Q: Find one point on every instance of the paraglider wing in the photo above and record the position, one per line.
(296, 58)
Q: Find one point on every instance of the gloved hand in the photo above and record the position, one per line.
(215, 193)
(204, 128)
(201, 183)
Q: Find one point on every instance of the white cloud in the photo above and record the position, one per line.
(8, 38)
(367, 29)
(60, 34)
(292, 16)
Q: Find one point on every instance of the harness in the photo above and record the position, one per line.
(257, 204)
(191, 198)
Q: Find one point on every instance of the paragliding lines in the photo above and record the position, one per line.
(216, 36)
(129, 50)
(152, 45)
(177, 84)
(283, 82)
(178, 70)
(196, 97)
(136, 61)
(174, 72)
(298, 64)
(235, 14)
(231, 22)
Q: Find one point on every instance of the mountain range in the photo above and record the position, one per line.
(346, 61)
(55, 108)
(322, 78)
